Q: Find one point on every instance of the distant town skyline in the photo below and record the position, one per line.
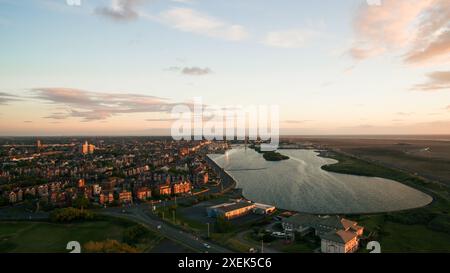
(117, 67)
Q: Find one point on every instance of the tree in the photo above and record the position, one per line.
(70, 215)
(109, 246)
(135, 234)
(81, 202)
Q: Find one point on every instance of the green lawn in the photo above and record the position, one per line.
(231, 241)
(413, 238)
(43, 237)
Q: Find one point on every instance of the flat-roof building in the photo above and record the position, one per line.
(231, 210)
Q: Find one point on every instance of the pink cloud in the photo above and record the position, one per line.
(438, 80)
(419, 28)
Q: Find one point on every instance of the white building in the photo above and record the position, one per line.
(96, 189)
(340, 241)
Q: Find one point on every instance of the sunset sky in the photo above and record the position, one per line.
(118, 67)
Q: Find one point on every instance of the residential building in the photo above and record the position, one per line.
(125, 197)
(96, 189)
(81, 183)
(19, 195)
(338, 235)
(91, 148)
(304, 223)
(143, 193)
(87, 148)
(340, 241)
(163, 190)
(12, 197)
(181, 187)
(106, 198)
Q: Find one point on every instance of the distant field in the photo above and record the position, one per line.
(427, 158)
(425, 229)
(43, 237)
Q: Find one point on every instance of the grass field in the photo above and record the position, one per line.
(44, 237)
(355, 166)
(408, 231)
(413, 238)
(402, 238)
(417, 155)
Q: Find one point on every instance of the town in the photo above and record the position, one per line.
(158, 175)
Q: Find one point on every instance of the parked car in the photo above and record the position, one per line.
(279, 234)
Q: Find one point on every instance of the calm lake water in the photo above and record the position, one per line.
(300, 184)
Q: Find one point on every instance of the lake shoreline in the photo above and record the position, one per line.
(307, 204)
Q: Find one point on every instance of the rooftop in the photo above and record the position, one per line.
(235, 206)
(340, 236)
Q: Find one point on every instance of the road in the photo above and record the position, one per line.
(139, 213)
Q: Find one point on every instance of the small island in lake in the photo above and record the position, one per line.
(270, 155)
(274, 156)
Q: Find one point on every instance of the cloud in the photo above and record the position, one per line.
(58, 116)
(292, 38)
(436, 81)
(91, 106)
(404, 113)
(120, 10)
(191, 71)
(183, 19)
(196, 71)
(420, 28)
(189, 20)
(439, 47)
(5, 98)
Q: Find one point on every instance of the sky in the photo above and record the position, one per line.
(118, 67)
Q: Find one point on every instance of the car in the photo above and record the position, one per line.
(206, 245)
(278, 234)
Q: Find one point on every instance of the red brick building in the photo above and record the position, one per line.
(143, 193)
(181, 187)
